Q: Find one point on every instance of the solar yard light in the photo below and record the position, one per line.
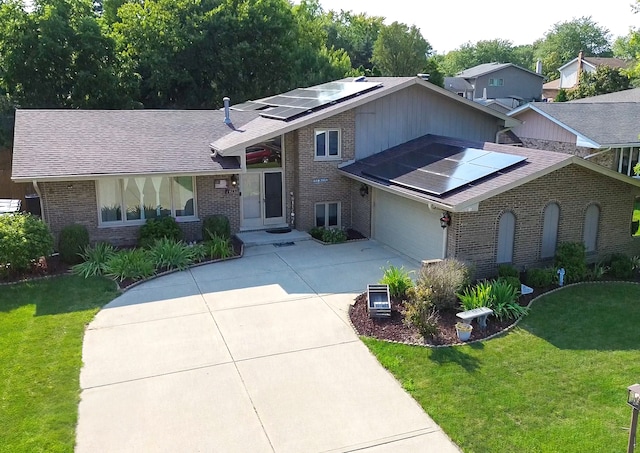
(633, 400)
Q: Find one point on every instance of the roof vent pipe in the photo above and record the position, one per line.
(539, 67)
(423, 76)
(227, 119)
(360, 79)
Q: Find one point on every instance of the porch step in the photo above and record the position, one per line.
(253, 238)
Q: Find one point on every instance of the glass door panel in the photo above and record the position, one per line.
(251, 200)
(273, 198)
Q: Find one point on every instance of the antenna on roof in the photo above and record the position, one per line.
(227, 119)
(360, 79)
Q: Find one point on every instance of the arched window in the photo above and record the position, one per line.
(506, 236)
(590, 234)
(551, 219)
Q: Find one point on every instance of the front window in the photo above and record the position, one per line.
(134, 200)
(327, 144)
(328, 215)
(496, 82)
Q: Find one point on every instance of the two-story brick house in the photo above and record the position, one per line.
(372, 155)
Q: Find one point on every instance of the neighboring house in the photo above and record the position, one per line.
(571, 71)
(370, 155)
(505, 82)
(602, 128)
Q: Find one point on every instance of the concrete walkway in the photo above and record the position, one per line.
(249, 355)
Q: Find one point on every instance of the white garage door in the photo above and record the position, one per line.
(407, 226)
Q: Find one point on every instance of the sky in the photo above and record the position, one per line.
(446, 25)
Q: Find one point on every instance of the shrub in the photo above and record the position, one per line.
(328, 235)
(621, 266)
(513, 281)
(216, 225)
(540, 278)
(597, 272)
(446, 279)
(476, 296)
(154, 229)
(507, 270)
(134, 264)
(572, 257)
(420, 312)
(504, 301)
(218, 247)
(169, 254)
(316, 233)
(23, 238)
(398, 280)
(95, 260)
(72, 241)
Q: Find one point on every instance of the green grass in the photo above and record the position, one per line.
(557, 383)
(41, 330)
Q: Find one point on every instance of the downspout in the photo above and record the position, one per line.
(39, 192)
(445, 241)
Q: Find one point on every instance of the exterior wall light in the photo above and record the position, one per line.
(633, 400)
(445, 220)
(234, 180)
(364, 190)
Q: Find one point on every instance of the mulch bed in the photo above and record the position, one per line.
(394, 329)
(53, 266)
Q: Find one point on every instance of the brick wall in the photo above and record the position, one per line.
(69, 202)
(360, 209)
(302, 169)
(607, 159)
(473, 235)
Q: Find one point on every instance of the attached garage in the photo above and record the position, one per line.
(407, 226)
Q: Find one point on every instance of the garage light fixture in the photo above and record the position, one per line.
(445, 220)
(364, 190)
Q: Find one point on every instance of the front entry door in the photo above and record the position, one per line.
(262, 200)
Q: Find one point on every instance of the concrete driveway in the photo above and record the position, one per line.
(249, 355)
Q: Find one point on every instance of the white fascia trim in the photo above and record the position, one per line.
(122, 175)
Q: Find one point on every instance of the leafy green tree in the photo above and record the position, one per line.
(433, 68)
(356, 34)
(565, 40)
(400, 50)
(469, 55)
(604, 80)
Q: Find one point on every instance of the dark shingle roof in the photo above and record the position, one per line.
(75, 143)
(605, 123)
(457, 84)
(632, 95)
(487, 68)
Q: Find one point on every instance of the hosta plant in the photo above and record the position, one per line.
(94, 260)
(132, 264)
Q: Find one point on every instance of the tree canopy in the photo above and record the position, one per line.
(469, 55)
(604, 80)
(400, 50)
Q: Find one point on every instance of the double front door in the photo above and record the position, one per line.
(262, 198)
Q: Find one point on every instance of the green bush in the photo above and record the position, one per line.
(134, 264)
(540, 278)
(504, 301)
(597, 271)
(513, 281)
(23, 238)
(168, 254)
(420, 312)
(154, 229)
(316, 233)
(398, 280)
(476, 296)
(621, 266)
(71, 243)
(572, 257)
(95, 260)
(216, 225)
(507, 270)
(218, 247)
(328, 235)
(446, 279)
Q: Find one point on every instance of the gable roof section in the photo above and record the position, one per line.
(631, 95)
(457, 84)
(538, 163)
(487, 68)
(595, 124)
(594, 62)
(65, 144)
(261, 129)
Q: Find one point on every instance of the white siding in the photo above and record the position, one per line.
(407, 226)
(414, 112)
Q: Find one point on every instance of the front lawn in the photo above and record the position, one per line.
(555, 383)
(42, 326)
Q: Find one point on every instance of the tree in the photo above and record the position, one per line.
(565, 40)
(356, 34)
(469, 55)
(400, 50)
(604, 80)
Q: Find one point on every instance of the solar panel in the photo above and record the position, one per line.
(306, 99)
(439, 168)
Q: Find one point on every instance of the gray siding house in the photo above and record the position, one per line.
(388, 157)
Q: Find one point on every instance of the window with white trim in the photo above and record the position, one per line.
(328, 214)
(327, 144)
(496, 82)
(134, 200)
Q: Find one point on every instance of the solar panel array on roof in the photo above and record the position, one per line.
(439, 168)
(302, 100)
